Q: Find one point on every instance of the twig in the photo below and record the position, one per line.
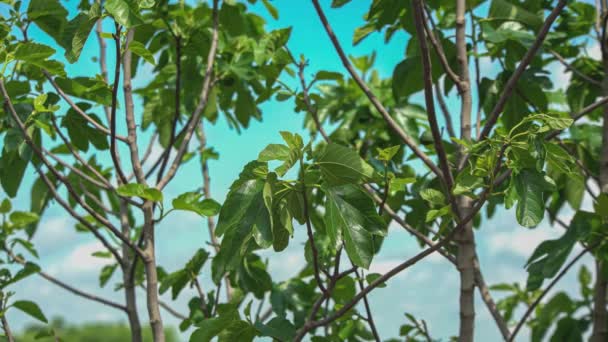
(66, 286)
(534, 304)
(574, 70)
(368, 310)
(508, 89)
(373, 99)
(204, 95)
(113, 149)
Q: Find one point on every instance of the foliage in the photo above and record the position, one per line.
(388, 159)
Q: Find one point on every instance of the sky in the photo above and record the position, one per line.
(428, 290)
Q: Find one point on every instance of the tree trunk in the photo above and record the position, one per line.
(156, 322)
(129, 285)
(465, 258)
(600, 316)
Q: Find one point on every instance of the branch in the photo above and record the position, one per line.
(428, 96)
(311, 239)
(439, 49)
(7, 329)
(375, 102)
(62, 179)
(191, 126)
(102, 59)
(68, 287)
(445, 110)
(368, 310)
(510, 86)
(574, 70)
(178, 66)
(113, 150)
(484, 292)
(129, 110)
(563, 272)
(76, 155)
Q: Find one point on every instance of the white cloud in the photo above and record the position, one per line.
(80, 260)
(54, 232)
(521, 241)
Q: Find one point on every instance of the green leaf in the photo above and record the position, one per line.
(31, 309)
(434, 197)
(550, 255)
(37, 55)
(271, 9)
(278, 328)
(529, 186)
(140, 50)
(106, 273)
(274, 152)
(505, 10)
(370, 278)
(211, 327)
(78, 30)
(398, 184)
(5, 206)
(601, 206)
(140, 190)
(387, 154)
(50, 16)
(339, 3)
(342, 165)
(244, 217)
(435, 213)
(328, 76)
(191, 201)
(123, 12)
(22, 219)
(12, 170)
(350, 214)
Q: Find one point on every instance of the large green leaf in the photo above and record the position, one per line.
(77, 32)
(191, 201)
(278, 328)
(342, 165)
(350, 214)
(12, 170)
(507, 10)
(49, 15)
(31, 309)
(125, 12)
(210, 328)
(244, 216)
(550, 255)
(529, 186)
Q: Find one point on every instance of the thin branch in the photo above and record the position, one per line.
(77, 109)
(201, 295)
(373, 99)
(438, 48)
(129, 109)
(445, 110)
(68, 287)
(113, 149)
(5, 326)
(311, 239)
(428, 96)
(178, 66)
(477, 72)
(574, 70)
(74, 169)
(192, 124)
(63, 180)
(510, 86)
(484, 292)
(102, 58)
(537, 301)
(368, 310)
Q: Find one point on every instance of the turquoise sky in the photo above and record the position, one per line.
(428, 290)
